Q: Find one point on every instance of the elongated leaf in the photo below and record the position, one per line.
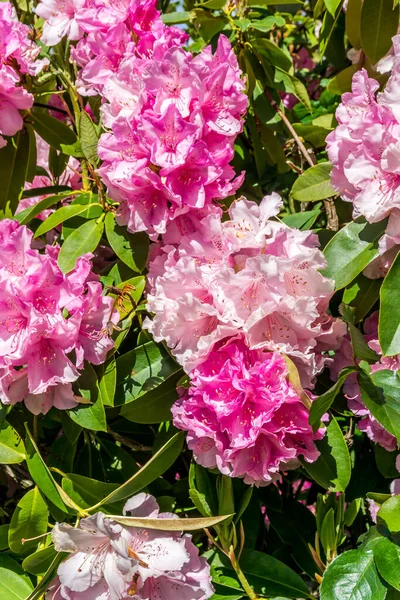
(175, 18)
(12, 449)
(29, 520)
(30, 213)
(362, 294)
(38, 562)
(108, 381)
(332, 6)
(352, 576)
(141, 370)
(380, 392)
(353, 22)
(90, 416)
(14, 163)
(14, 583)
(323, 403)
(389, 315)
(332, 470)
(154, 406)
(52, 131)
(89, 138)
(170, 524)
(379, 23)
(314, 184)
(351, 250)
(132, 249)
(158, 464)
(389, 513)
(46, 190)
(86, 491)
(312, 133)
(47, 577)
(302, 220)
(84, 239)
(387, 559)
(64, 213)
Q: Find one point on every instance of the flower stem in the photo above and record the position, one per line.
(241, 576)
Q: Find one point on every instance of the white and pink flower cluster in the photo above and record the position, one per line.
(117, 562)
(50, 323)
(173, 117)
(344, 358)
(18, 55)
(222, 293)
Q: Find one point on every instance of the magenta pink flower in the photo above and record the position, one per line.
(49, 322)
(243, 416)
(115, 562)
(249, 274)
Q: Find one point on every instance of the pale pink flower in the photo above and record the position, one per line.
(60, 20)
(115, 562)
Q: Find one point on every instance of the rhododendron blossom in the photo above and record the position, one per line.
(113, 561)
(50, 323)
(17, 56)
(344, 358)
(243, 415)
(249, 274)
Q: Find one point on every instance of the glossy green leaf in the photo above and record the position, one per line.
(387, 559)
(86, 491)
(4, 536)
(302, 220)
(132, 249)
(332, 6)
(154, 406)
(30, 213)
(12, 449)
(380, 393)
(29, 520)
(351, 250)
(314, 184)
(89, 137)
(389, 514)
(323, 403)
(352, 511)
(162, 460)
(328, 533)
(312, 133)
(64, 213)
(268, 23)
(389, 315)
(142, 370)
(362, 294)
(84, 239)
(108, 381)
(89, 416)
(14, 163)
(44, 581)
(53, 131)
(332, 469)
(352, 576)
(14, 583)
(176, 18)
(379, 23)
(48, 190)
(38, 562)
(353, 22)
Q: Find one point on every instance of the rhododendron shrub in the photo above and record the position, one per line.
(199, 299)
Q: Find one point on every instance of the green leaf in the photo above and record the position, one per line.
(362, 294)
(389, 514)
(379, 23)
(38, 562)
(132, 249)
(32, 157)
(274, 54)
(272, 2)
(89, 416)
(154, 406)
(389, 315)
(73, 149)
(12, 449)
(351, 250)
(86, 491)
(64, 213)
(314, 184)
(44, 582)
(311, 133)
(28, 521)
(40, 473)
(176, 18)
(268, 23)
(323, 403)
(4, 536)
(294, 86)
(108, 381)
(387, 559)
(302, 220)
(57, 162)
(328, 532)
(352, 576)
(84, 239)
(341, 83)
(88, 135)
(332, 470)
(186, 524)
(141, 370)
(14, 584)
(353, 22)
(158, 464)
(14, 163)
(48, 189)
(52, 131)
(380, 393)
(352, 511)
(332, 6)
(25, 216)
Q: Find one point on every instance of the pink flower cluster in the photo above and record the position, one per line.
(17, 58)
(344, 358)
(50, 323)
(173, 117)
(213, 278)
(243, 416)
(365, 149)
(116, 562)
